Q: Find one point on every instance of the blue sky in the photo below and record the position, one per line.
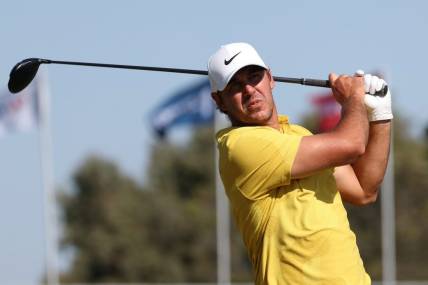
(105, 111)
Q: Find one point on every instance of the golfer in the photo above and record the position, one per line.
(286, 186)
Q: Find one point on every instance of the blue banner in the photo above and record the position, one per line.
(192, 106)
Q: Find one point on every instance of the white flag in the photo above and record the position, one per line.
(19, 112)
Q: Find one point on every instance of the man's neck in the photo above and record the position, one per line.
(273, 122)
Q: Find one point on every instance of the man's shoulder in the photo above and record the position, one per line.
(234, 133)
(299, 130)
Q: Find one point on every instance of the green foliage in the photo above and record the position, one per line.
(411, 185)
(120, 231)
(186, 170)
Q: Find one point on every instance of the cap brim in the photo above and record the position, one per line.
(238, 69)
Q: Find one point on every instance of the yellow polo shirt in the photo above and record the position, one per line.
(296, 231)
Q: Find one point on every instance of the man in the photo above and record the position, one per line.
(286, 185)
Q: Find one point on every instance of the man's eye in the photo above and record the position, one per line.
(255, 77)
(234, 87)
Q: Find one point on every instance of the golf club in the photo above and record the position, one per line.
(24, 72)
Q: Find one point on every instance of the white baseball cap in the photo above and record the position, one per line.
(230, 58)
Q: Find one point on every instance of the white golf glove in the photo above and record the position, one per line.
(378, 107)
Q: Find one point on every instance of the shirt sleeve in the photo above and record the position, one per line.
(261, 160)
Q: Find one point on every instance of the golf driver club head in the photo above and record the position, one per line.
(23, 73)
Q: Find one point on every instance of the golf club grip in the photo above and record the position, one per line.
(321, 83)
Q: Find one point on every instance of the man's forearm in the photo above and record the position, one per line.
(371, 166)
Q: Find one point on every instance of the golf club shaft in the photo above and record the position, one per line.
(302, 81)
(149, 68)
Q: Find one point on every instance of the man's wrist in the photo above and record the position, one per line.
(380, 122)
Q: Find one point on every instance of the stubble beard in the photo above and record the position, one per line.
(259, 117)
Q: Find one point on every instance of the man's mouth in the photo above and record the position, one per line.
(253, 104)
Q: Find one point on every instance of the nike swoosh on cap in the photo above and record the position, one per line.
(226, 62)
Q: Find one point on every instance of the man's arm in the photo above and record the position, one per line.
(346, 142)
(358, 173)
(359, 182)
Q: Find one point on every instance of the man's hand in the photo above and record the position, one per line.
(347, 88)
(378, 107)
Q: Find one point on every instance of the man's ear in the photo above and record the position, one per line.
(271, 81)
(219, 102)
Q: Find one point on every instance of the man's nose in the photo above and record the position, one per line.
(248, 89)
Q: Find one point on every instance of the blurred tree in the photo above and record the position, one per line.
(164, 232)
(411, 178)
(111, 223)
